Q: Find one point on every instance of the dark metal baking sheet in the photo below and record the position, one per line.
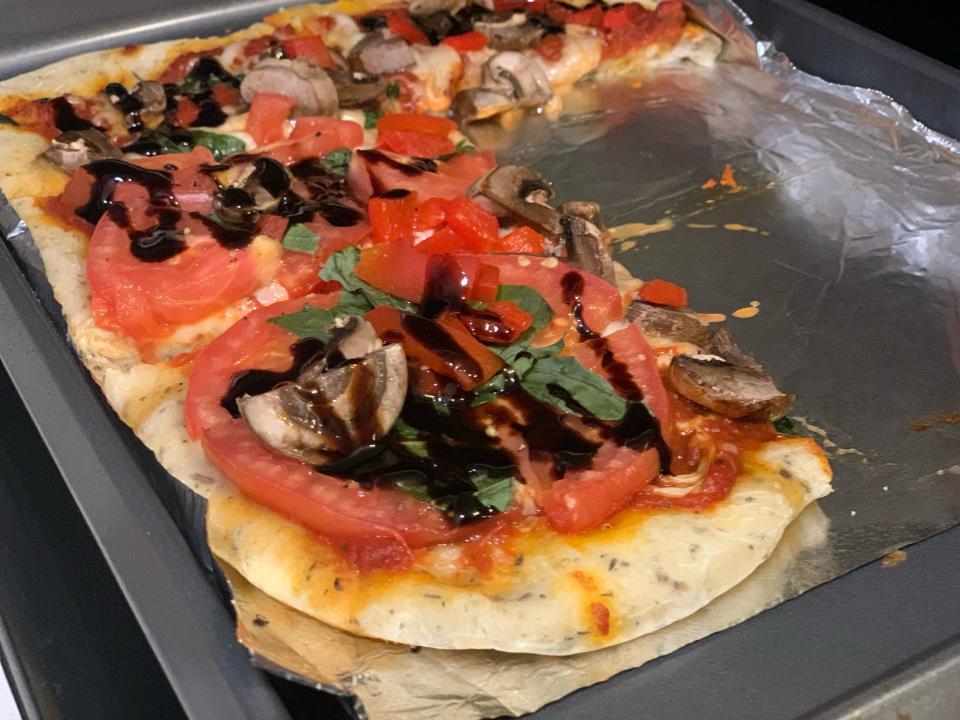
(758, 652)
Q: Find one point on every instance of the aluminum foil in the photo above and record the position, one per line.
(840, 237)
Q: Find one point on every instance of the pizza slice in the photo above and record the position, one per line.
(426, 405)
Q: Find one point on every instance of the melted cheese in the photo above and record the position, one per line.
(436, 67)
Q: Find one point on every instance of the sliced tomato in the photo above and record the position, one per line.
(147, 300)
(663, 292)
(522, 241)
(444, 345)
(469, 166)
(583, 499)
(417, 122)
(345, 133)
(377, 527)
(386, 176)
(623, 15)
(601, 301)
(466, 42)
(400, 269)
(591, 16)
(268, 111)
(393, 218)
(629, 348)
(226, 95)
(179, 68)
(403, 27)
(299, 272)
(309, 47)
(414, 143)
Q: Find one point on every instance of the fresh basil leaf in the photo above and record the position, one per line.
(219, 144)
(392, 91)
(416, 447)
(340, 268)
(354, 303)
(414, 484)
(517, 351)
(566, 384)
(405, 430)
(370, 118)
(491, 389)
(300, 238)
(7, 120)
(195, 83)
(495, 492)
(531, 302)
(464, 147)
(310, 322)
(338, 161)
(787, 426)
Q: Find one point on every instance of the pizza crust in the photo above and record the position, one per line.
(648, 569)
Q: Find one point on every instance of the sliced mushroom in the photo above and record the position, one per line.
(586, 209)
(357, 89)
(309, 85)
(480, 103)
(514, 32)
(333, 408)
(430, 7)
(152, 96)
(377, 54)
(259, 189)
(663, 324)
(585, 247)
(523, 192)
(519, 76)
(733, 384)
(79, 147)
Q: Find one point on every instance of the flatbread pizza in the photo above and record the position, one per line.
(424, 403)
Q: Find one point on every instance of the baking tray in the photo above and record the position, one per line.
(863, 643)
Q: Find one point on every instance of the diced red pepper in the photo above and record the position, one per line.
(225, 95)
(393, 218)
(478, 227)
(466, 42)
(443, 242)
(415, 143)
(309, 47)
(535, 6)
(511, 315)
(551, 47)
(430, 214)
(187, 112)
(403, 27)
(268, 111)
(523, 240)
(390, 322)
(663, 292)
(591, 17)
(559, 12)
(486, 283)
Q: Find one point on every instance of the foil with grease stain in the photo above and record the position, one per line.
(844, 227)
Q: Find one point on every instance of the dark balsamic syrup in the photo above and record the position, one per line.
(572, 284)
(257, 382)
(108, 173)
(65, 117)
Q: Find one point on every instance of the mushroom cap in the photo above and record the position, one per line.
(377, 54)
(480, 103)
(524, 192)
(310, 86)
(75, 148)
(519, 76)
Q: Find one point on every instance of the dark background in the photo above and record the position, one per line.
(61, 612)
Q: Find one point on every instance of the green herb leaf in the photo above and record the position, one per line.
(340, 268)
(519, 354)
(338, 161)
(416, 447)
(787, 426)
(495, 492)
(7, 120)
(566, 384)
(491, 389)
(370, 118)
(219, 144)
(405, 430)
(415, 484)
(464, 147)
(392, 91)
(310, 322)
(300, 238)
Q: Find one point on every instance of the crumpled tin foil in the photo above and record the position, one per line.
(834, 253)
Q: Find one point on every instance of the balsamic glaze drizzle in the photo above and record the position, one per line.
(572, 284)
(65, 117)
